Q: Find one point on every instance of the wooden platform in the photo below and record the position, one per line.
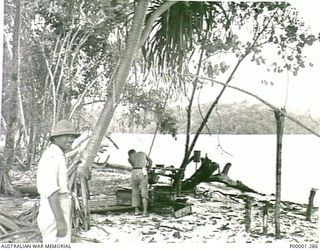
(114, 208)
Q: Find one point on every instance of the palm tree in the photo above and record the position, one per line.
(207, 28)
(118, 84)
(177, 29)
(187, 25)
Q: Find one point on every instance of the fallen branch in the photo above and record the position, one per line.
(117, 166)
(30, 214)
(8, 223)
(113, 142)
(37, 234)
(231, 183)
(3, 230)
(101, 228)
(174, 228)
(22, 163)
(17, 233)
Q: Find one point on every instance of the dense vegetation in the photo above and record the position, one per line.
(60, 56)
(235, 118)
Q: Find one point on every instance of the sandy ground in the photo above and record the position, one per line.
(218, 214)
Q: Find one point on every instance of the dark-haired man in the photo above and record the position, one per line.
(140, 163)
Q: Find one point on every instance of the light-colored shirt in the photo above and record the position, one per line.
(52, 172)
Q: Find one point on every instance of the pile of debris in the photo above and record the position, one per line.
(21, 228)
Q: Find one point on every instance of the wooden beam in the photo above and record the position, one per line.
(310, 204)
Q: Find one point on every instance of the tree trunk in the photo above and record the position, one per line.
(118, 85)
(154, 138)
(158, 122)
(1, 62)
(5, 184)
(12, 119)
(280, 124)
(189, 148)
(177, 184)
(207, 168)
(31, 145)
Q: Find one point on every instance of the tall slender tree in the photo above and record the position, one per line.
(1, 62)
(12, 120)
(118, 84)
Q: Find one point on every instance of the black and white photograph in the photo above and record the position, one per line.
(159, 123)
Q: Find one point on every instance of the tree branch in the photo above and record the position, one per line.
(258, 98)
(80, 99)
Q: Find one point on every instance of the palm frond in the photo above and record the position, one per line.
(176, 32)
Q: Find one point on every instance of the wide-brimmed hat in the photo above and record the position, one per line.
(63, 127)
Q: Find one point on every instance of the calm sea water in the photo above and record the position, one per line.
(253, 159)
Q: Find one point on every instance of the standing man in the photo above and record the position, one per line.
(140, 163)
(54, 218)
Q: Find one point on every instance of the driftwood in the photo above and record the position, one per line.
(205, 174)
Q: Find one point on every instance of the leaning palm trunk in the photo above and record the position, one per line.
(118, 84)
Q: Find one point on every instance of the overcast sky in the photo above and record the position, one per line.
(303, 91)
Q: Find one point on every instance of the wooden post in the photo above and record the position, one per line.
(196, 157)
(280, 123)
(310, 204)
(265, 217)
(247, 218)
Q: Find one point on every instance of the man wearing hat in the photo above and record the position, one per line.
(54, 218)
